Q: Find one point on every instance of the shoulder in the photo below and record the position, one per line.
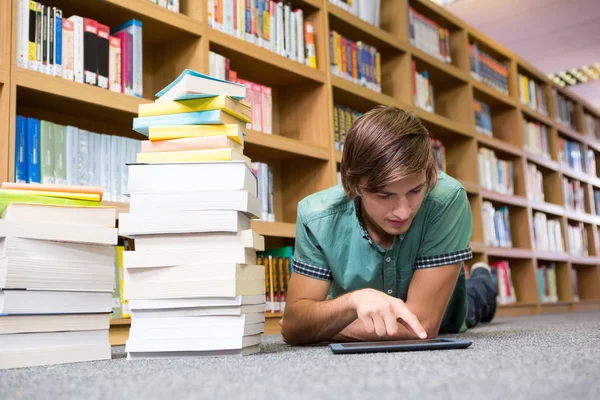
(326, 203)
(446, 191)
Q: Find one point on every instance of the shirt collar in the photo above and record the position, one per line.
(357, 214)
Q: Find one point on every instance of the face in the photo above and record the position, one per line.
(393, 209)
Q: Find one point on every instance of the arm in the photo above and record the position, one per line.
(428, 296)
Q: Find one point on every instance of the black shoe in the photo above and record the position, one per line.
(482, 291)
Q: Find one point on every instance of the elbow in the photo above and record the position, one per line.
(290, 335)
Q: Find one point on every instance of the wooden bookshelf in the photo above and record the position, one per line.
(301, 147)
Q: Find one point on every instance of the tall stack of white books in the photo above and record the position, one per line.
(56, 282)
(192, 282)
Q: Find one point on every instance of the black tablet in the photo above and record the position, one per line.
(399, 345)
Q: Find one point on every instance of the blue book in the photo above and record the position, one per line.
(58, 42)
(211, 117)
(194, 85)
(33, 150)
(21, 150)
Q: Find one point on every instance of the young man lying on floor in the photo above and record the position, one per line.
(380, 257)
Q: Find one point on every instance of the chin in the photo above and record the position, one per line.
(397, 230)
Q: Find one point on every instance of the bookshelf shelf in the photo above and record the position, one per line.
(548, 208)
(492, 95)
(581, 217)
(338, 156)
(120, 321)
(263, 65)
(79, 95)
(477, 247)
(509, 252)
(517, 309)
(439, 68)
(470, 187)
(536, 115)
(514, 200)
(280, 147)
(556, 257)
(443, 126)
(275, 229)
(351, 25)
(542, 161)
(497, 144)
(359, 97)
(584, 260)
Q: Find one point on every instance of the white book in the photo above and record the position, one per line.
(72, 150)
(68, 49)
(193, 288)
(170, 258)
(105, 166)
(74, 215)
(238, 200)
(216, 313)
(59, 232)
(182, 273)
(34, 302)
(206, 332)
(78, 47)
(186, 177)
(197, 241)
(231, 320)
(300, 35)
(199, 303)
(23, 34)
(183, 222)
(160, 355)
(53, 323)
(33, 349)
(45, 249)
(191, 344)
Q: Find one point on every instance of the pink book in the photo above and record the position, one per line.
(126, 62)
(197, 143)
(257, 123)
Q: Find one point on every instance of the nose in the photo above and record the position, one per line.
(402, 208)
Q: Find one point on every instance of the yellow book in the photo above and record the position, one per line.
(232, 107)
(45, 193)
(224, 154)
(233, 131)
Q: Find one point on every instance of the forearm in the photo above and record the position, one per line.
(310, 321)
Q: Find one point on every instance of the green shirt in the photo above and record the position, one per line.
(332, 244)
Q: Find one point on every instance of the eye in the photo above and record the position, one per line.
(383, 196)
(417, 190)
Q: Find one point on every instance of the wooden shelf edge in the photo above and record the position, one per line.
(371, 31)
(477, 247)
(274, 229)
(449, 69)
(470, 187)
(258, 53)
(313, 3)
(508, 252)
(518, 201)
(559, 303)
(338, 156)
(534, 114)
(482, 87)
(269, 314)
(157, 13)
(541, 160)
(363, 92)
(3, 75)
(285, 144)
(549, 208)
(497, 144)
(582, 217)
(443, 122)
(120, 321)
(81, 92)
(518, 305)
(584, 260)
(558, 257)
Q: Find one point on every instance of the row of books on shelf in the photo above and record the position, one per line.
(531, 93)
(573, 194)
(534, 183)
(423, 90)
(355, 61)
(50, 153)
(367, 10)
(429, 36)
(496, 225)
(590, 126)
(536, 139)
(278, 269)
(564, 109)
(258, 97)
(495, 174)
(343, 118)
(483, 118)
(80, 49)
(171, 5)
(547, 233)
(573, 155)
(264, 176)
(272, 25)
(487, 69)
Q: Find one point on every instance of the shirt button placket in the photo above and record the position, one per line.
(390, 270)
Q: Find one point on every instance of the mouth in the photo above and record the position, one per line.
(397, 222)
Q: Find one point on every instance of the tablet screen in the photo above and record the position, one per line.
(393, 343)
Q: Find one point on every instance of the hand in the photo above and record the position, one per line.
(381, 313)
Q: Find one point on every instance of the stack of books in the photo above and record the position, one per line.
(192, 281)
(56, 274)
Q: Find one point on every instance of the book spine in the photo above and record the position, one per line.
(90, 54)
(77, 48)
(60, 149)
(21, 150)
(47, 151)
(267, 109)
(33, 151)
(103, 56)
(32, 36)
(39, 37)
(68, 48)
(114, 64)
(23, 34)
(72, 146)
(58, 42)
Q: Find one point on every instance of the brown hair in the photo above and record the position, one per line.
(384, 145)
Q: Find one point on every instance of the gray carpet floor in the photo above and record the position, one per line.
(535, 357)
